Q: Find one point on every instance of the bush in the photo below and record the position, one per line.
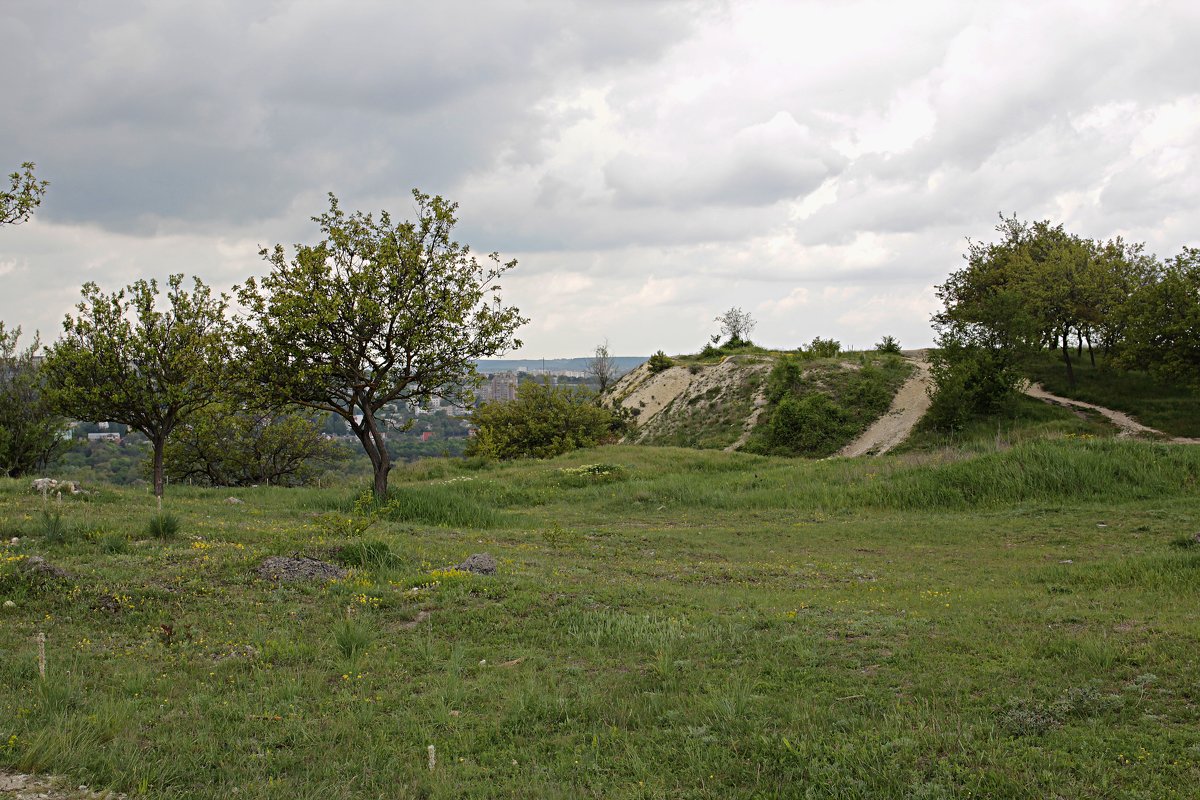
(824, 348)
(784, 380)
(969, 379)
(544, 421)
(888, 344)
(812, 425)
(659, 362)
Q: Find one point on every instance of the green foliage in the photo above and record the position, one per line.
(31, 431)
(543, 421)
(786, 378)
(889, 344)
(163, 526)
(376, 312)
(23, 196)
(823, 348)
(1163, 323)
(225, 446)
(124, 360)
(811, 424)
(659, 362)
(818, 414)
(970, 377)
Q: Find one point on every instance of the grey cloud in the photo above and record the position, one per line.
(222, 113)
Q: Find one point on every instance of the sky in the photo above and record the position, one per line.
(649, 163)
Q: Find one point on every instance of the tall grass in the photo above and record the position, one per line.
(1054, 471)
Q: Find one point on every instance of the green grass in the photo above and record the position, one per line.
(1171, 408)
(1006, 621)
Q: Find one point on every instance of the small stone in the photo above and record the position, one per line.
(1066, 561)
(234, 501)
(478, 564)
(9, 604)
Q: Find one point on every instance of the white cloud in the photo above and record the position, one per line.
(649, 164)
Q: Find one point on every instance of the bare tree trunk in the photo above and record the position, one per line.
(373, 442)
(1066, 351)
(1091, 351)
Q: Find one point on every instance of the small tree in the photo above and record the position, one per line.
(602, 367)
(736, 326)
(889, 344)
(24, 195)
(123, 360)
(225, 446)
(375, 313)
(544, 421)
(660, 361)
(31, 433)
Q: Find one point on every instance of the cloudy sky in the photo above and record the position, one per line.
(649, 163)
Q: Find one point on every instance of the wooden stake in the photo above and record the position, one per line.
(41, 640)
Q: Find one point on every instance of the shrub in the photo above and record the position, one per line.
(888, 344)
(824, 348)
(544, 421)
(785, 379)
(812, 425)
(659, 362)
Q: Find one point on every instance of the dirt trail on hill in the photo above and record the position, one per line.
(1126, 425)
(908, 406)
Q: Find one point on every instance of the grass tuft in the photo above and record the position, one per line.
(163, 526)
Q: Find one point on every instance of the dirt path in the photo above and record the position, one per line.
(1126, 425)
(908, 406)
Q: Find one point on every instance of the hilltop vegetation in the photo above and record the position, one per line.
(664, 623)
(807, 402)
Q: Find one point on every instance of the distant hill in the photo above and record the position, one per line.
(491, 365)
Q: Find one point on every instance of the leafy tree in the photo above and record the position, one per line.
(374, 313)
(31, 432)
(736, 326)
(660, 361)
(124, 360)
(225, 446)
(544, 421)
(602, 367)
(785, 379)
(1163, 322)
(24, 195)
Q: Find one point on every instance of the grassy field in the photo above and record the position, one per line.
(1010, 622)
(1171, 408)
